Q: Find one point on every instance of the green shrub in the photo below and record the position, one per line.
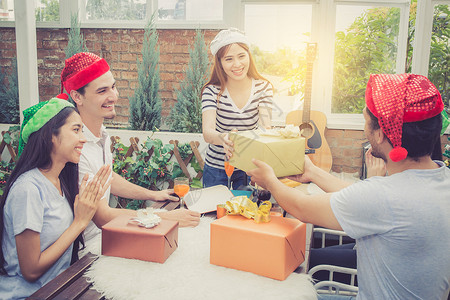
(11, 137)
(186, 115)
(150, 172)
(146, 104)
(9, 95)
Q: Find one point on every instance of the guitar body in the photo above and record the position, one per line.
(314, 133)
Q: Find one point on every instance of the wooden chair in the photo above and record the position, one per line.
(11, 150)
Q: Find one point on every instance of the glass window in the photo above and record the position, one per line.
(439, 65)
(115, 10)
(366, 42)
(190, 10)
(47, 10)
(6, 10)
(278, 36)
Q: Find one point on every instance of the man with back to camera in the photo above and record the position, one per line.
(401, 222)
(90, 83)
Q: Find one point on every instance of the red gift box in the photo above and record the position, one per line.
(128, 240)
(274, 249)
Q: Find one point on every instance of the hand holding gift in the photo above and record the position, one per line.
(307, 174)
(263, 174)
(227, 144)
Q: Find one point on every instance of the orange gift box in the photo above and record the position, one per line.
(129, 240)
(274, 249)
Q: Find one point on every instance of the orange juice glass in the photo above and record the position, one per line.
(229, 169)
(181, 188)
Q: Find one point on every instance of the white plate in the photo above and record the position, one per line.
(206, 200)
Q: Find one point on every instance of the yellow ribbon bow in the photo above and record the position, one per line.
(242, 205)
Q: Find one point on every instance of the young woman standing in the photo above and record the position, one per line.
(41, 213)
(236, 98)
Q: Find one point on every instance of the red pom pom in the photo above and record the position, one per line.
(63, 96)
(398, 154)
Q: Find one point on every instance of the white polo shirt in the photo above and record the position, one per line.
(96, 153)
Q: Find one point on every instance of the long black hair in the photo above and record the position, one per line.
(36, 154)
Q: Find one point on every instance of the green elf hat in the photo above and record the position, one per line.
(445, 121)
(38, 115)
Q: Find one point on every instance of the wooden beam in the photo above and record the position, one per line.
(26, 48)
(65, 279)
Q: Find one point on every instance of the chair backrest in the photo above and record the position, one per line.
(325, 231)
(332, 287)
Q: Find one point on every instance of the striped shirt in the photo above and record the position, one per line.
(229, 116)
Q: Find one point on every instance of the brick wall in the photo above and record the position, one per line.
(121, 48)
(346, 149)
(7, 47)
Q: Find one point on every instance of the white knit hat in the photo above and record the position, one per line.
(227, 37)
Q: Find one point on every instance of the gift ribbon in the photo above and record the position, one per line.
(242, 205)
(288, 132)
(146, 218)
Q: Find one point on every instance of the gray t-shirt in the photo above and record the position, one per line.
(401, 224)
(33, 203)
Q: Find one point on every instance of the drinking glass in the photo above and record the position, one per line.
(181, 188)
(229, 169)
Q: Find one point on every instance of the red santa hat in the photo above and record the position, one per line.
(80, 69)
(399, 98)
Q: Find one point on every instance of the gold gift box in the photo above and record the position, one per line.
(285, 155)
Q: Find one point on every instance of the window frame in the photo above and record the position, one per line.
(323, 73)
(231, 17)
(322, 32)
(424, 26)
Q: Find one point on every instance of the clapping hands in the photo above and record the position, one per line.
(90, 194)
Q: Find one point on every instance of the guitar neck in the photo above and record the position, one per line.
(312, 124)
(307, 100)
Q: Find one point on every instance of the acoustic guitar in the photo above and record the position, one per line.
(312, 123)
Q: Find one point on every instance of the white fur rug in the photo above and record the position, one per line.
(187, 274)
